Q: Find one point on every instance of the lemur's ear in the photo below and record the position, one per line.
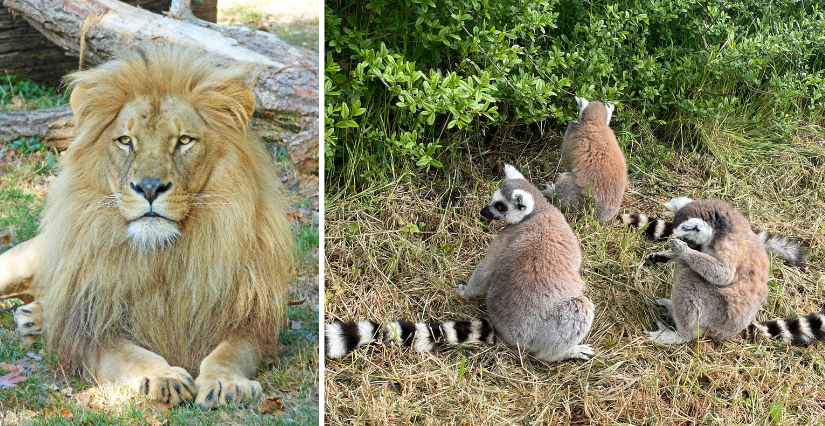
(582, 103)
(523, 200)
(677, 203)
(519, 199)
(510, 172)
(610, 107)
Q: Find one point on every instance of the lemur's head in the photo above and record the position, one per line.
(698, 222)
(515, 200)
(594, 110)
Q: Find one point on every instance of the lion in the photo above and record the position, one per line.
(164, 250)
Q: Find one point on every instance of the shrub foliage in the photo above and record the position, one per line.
(403, 76)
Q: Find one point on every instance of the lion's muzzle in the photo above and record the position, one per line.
(151, 188)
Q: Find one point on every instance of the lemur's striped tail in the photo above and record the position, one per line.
(342, 337)
(781, 246)
(784, 247)
(802, 330)
(657, 229)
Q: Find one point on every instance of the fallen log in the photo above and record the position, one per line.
(285, 79)
(55, 126)
(26, 52)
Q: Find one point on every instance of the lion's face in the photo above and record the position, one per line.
(159, 158)
(165, 225)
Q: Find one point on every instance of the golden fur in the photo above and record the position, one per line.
(221, 275)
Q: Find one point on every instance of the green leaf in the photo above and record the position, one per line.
(346, 124)
(775, 411)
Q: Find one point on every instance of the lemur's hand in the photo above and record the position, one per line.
(678, 246)
(659, 257)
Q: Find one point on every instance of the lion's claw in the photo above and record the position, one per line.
(227, 389)
(29, 322)
(171, 386)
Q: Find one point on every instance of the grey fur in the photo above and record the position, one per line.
(719, 282)
(596, 168)
(779, 245)
(530, 274)
(784, 247)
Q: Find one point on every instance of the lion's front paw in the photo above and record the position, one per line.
(170, 385)
(29, 322)
(226, 389)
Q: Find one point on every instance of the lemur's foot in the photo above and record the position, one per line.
(668, 305)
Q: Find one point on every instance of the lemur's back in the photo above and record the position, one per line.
(597, 160)
(537, 279)
(595, 164)
(542, 257)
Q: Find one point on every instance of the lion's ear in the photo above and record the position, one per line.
(240, 92)
(230, 104)
(248, 102)
(74, 101)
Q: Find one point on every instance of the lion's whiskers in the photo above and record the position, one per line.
(200, 200)
(103, 202)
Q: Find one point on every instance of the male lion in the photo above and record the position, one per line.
(164, 250)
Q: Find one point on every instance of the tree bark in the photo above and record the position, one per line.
(54, 125)
(286, 80)
(26, 52)
(206, 10)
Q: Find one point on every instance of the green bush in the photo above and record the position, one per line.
(403, 76)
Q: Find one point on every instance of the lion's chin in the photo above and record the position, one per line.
(152, 233)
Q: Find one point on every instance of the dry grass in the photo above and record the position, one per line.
(377, 270)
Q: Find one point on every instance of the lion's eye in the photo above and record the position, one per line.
(185, 140)
(125, 141)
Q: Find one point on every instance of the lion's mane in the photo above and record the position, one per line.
(227, 273)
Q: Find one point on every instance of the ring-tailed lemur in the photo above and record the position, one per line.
(658, 229)
(719, 280)
(530, 273)
(594, 162)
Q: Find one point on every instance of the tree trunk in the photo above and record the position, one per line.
(286, 81)
(54, 125)
(206, 10)
(26, 52)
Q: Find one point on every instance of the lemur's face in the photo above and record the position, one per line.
(694, 231)
(511, 202)
(510, 205)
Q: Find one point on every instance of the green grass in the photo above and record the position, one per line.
(18, 93)
(377, 269)
(22, 186)
(291, 373)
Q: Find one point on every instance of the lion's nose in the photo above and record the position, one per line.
(151, 188)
